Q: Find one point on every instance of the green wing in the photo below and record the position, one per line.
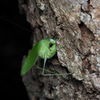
(31, 59)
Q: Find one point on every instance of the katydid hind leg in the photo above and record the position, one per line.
(37, 66)
(50, 71)
(44, 68)
(45, 58)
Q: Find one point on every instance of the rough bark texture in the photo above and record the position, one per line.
(76, 23)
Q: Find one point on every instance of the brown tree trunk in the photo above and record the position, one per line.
(76, 25)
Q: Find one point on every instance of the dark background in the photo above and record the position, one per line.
(14, 43)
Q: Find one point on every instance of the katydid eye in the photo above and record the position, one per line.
(50, 45)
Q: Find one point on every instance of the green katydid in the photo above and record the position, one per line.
(45, 48)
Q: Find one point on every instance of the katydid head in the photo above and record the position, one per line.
(52, 43)
(48, 47)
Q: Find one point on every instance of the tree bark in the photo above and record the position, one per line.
(76, 25)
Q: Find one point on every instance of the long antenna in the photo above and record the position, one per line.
(14, 23)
